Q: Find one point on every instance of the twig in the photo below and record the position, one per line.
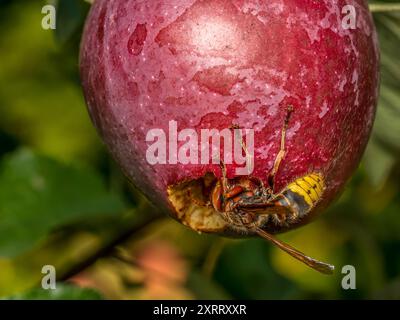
(212, 256)
(148, 215)
(384, 7)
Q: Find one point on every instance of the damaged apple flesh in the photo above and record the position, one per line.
(211, 64)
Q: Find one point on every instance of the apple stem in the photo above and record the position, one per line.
(384, 7)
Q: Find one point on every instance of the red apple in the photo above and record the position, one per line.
(211, 64)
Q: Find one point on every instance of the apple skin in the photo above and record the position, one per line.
(211, 64)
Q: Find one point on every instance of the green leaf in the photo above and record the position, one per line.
(245, 271)
(63, 292)
(70, 17)
(378, 163)
(41, 101)
(38, 194)
(384, 147)
(205, 288)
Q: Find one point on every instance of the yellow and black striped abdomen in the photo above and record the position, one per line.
(304, 193)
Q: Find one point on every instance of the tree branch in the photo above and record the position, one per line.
(148, 214)
(384, 7)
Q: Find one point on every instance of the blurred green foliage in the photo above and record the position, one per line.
(63, 292)
(41, 187)
(64, 202)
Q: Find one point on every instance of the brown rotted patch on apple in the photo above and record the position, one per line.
(190, 200)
